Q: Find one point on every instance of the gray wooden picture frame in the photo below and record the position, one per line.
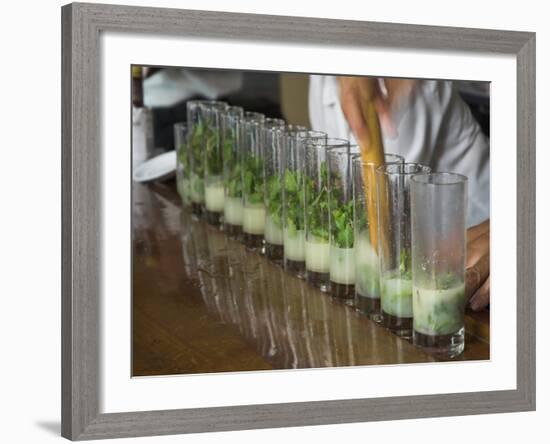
(81, 175)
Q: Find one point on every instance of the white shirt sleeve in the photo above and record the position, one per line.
(173, 85)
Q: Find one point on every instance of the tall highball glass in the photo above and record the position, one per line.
(438, 206)
(213, 161)
(394, 244)
(198, 135)
(183, 167)
(273, 166)
(367, 266)
(293, 198)
(317, 225)
(231, 139)
(342, 252)
(252, 172)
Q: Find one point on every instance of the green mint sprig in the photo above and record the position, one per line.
(275, 199)
(317, 206)
(405, 264)
(293, 182)
(253, 180)
(342, 224)
(197, 149)
(214, 163)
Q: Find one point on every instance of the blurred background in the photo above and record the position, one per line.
(165, 91)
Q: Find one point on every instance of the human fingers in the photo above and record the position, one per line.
(481, 298)
(477, 263)
(477, 248)
(350, 102)
(477, 230)
(476, 274)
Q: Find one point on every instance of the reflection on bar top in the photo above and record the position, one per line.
(202, 303)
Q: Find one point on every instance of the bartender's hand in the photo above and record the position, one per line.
(387, 99)
(477, 266)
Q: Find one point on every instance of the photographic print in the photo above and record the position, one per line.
(292, 219)
(288, 221)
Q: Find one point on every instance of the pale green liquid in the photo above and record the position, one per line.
(438, 312)
(396, 297)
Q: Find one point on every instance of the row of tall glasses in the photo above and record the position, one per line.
(388, 239)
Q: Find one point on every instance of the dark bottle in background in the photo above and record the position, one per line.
(137, 86)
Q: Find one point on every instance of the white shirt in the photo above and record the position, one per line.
(435, 127)
(172, 85)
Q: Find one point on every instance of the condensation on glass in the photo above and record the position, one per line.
(367, 266)
(439, 204)
(394, 244)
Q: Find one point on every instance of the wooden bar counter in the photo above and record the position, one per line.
(202, 303)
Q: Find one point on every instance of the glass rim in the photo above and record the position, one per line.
(252, 121)
(253, 115)
(328, 143)
(275, 130)
(233, 108)
(423, 169)
(344, 151)
(425, 179)
(291, 128)
(199, 101)
(308, 134)
(273, 122)
(207, 102)
(213, 109)
(335, 142)
(399, 160)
